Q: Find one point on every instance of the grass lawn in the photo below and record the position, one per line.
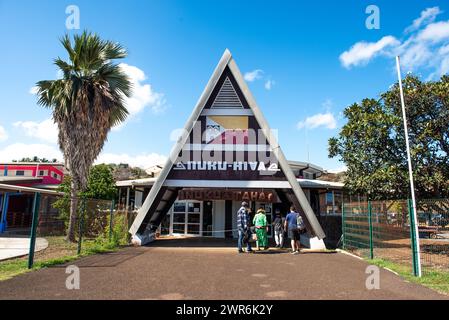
(434, 279)
(59, 251)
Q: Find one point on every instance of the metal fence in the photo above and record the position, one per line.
(37, 224)
(384, 229)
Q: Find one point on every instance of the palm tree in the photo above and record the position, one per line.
(86, 102)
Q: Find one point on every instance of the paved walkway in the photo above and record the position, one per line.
(11, 247)
(167, 271)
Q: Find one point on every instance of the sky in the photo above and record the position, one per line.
(304, 61)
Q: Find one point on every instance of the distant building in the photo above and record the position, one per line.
(16, 207)
(29, 174)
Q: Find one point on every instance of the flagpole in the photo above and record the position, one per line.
(410, 168)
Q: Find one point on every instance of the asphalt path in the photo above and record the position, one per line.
(193, 272)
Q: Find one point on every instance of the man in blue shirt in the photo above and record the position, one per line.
(291, 225)
(243, 227)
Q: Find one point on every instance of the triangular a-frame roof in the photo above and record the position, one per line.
(226, 97)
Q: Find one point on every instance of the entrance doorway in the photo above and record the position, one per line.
(187, 218)
(207, 219)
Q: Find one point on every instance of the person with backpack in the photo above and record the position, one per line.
(291, 224)
(279, 230)
(260, 222)
(244, 228)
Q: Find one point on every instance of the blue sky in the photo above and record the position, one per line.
(314, 59)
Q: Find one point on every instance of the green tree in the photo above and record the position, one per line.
(86, 103)
(101, 186)
(101, 183)
(372, 142)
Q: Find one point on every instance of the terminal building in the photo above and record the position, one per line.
(212, 212)
(227, 154)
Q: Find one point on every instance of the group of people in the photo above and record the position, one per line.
(292, 226)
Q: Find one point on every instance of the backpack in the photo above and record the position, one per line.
(278, 226)
(300, 223)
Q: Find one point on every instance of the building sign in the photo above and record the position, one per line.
(228, 194)
(224, 165)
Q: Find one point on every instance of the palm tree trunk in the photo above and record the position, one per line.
(73, 213)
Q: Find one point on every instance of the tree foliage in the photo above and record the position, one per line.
(86, 102)
(36, 159)
(372, 142)
(101, 186)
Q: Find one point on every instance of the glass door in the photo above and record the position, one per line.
(194, 218)
(187, 218)
(179, 218)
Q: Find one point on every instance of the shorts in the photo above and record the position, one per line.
(293, 234)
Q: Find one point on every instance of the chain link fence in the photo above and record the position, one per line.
(384, 229)
(433, 226)
(40, 221)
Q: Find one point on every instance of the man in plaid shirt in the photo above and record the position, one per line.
(243, 227)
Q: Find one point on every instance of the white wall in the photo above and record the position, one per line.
(218, 218)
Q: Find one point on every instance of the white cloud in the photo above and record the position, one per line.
(269, 84)
(427, 16)
(423, 48)
(435, 32)
(444, 68)
(33, 90)
(3, 134)
(175, 134)
(18, 151)
(144, 160)
(414, 54)
(46, 130)
(362, 52)
(143, 94)
(326, 120)
(253, 75)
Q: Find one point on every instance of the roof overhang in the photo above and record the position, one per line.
(16, 180)
(305, 183)
(13, 188)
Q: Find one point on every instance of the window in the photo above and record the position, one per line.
(338, 202)
(41, 173)
(179, 207)
(20, 173)
(331, 202)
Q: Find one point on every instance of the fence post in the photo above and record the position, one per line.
(111, 216)
(34, 223)
(343, 229)
(413, 238)
(370, 224)
(80, 226)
